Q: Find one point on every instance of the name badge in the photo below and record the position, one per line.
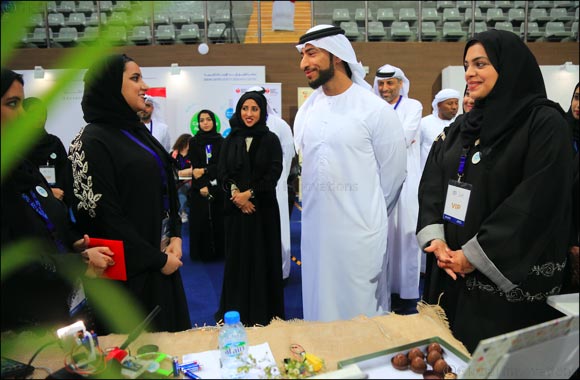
(49, 172)
(456, 202)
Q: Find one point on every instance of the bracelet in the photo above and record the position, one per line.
(251, 193)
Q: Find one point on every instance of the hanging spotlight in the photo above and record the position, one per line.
(175, 69)
(567, 66)
(38, 72)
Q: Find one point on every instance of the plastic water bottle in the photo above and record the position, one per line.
(233, 346)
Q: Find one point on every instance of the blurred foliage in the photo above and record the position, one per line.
(109, 300)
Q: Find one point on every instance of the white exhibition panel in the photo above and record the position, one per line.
(559, 81)
(273, 94)
(195, 88)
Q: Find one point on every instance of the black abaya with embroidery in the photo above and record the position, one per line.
(516, 226)
(124, 185)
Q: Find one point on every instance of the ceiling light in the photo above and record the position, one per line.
(175, 69)
(38, 72)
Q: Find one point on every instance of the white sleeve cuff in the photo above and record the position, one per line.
(477, 257)
(430, 232)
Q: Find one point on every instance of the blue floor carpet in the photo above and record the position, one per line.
(203, 283)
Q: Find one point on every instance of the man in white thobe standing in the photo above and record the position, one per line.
(353, 167)
(155, 124)
(279, 126)
(404, 255)
(445, 107)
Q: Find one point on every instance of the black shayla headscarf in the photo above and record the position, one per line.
(236, 156)
(239, 128)
(104, 104)
(519, 88)
(8, 77)
(209, 137)
(102, 99)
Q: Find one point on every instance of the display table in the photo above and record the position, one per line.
(332, 341)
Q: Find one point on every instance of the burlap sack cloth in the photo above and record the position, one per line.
(332, 341)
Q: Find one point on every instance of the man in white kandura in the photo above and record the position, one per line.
(279, 126)
(155, 123)
(353, 167)
(445, 107)
(403, 253)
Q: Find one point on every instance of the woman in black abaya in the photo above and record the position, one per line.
(511, 155)
(39, 291)
(249, 167)
(124, 185)
(206, 218)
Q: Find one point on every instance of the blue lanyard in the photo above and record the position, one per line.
(37, 207)
(207, 153)
(182, 162)
(159, 163)
(398, 101)
(462, 161)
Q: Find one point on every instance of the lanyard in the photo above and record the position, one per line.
(159, 163)
(464, 151)
(207, 153)
(182, 162)
(462, 160)
(398, 101)
(33, 202)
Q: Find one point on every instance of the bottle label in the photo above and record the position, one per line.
(234, 349)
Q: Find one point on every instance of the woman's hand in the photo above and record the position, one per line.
(58, 193)
(442, 253)
(248, 208)
(175, 247)
(458, 264)
(98, 259)
(81, 244)
(198, 172)
(187, 172)
(172, 264)
(204, 191)
(240, 198)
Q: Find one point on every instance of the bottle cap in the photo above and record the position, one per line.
(231, 317)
